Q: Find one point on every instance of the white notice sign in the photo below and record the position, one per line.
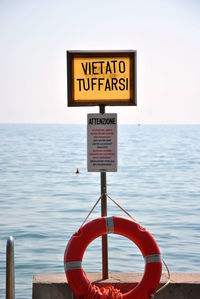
(102, 142)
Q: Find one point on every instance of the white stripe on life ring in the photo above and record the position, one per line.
(110, 225)
(153, 258)
(73, 265)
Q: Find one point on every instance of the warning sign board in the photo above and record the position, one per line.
(96, 78)
(102, 142)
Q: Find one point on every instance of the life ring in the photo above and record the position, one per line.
(75, 249)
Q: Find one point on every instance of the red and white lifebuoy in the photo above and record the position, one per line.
(75, 249)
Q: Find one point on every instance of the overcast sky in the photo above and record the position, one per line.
(34, 37)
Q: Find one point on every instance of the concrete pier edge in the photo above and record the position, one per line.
(55, 286)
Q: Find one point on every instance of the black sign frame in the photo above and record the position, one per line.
(95, 54)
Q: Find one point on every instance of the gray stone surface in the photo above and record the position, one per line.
(55, 286)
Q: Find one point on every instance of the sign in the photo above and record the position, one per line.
(107, 78)
(102, 142)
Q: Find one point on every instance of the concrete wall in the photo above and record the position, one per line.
(55, 286)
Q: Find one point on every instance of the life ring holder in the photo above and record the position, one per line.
(76, 276)
(75, 249)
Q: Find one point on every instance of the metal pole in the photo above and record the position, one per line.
(104, 213)
(10, 269)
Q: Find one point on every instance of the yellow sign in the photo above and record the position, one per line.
(96, 78)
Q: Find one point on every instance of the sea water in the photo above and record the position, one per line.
(43, 201)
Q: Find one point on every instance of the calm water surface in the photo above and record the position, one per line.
(43, 201)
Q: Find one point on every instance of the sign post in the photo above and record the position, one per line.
(102, 157)
(101, 78)
(104, 213)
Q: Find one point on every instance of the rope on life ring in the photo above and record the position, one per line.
(78, 243)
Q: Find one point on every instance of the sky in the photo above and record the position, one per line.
(35, 35)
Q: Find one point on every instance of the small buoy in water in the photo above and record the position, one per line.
(77, 171)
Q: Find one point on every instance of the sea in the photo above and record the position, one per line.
(43, 201)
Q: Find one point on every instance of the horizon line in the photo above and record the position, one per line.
(126, 124)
